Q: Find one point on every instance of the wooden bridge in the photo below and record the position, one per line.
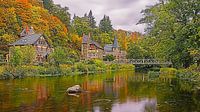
(142, 62)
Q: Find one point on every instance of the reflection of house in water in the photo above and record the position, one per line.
(42, 93)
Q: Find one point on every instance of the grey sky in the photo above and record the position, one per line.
(123, 13)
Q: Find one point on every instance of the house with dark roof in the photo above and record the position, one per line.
(115, 50)
(28, 37)
(91, 49)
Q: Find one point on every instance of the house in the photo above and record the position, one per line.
(114, 49)
(91, 49)
(28, 37)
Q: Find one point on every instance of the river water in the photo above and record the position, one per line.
(124, 91)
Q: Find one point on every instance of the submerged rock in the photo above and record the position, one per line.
(74, 89)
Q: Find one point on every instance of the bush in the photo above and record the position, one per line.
(114, 66)
(2, 68)
(153, 74)
(65, 69)
(109, 58)
(168, 72)
(127, 67)
(92, 68)
(81, 67)
(101, 66)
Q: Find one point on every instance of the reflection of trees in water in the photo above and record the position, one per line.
(49, 93)
(172, 96)
(150, 106)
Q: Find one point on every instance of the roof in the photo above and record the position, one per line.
(115, 43)
(96, 44)
(86, 39)
(108, 48)
(27, 40)
(27, 31)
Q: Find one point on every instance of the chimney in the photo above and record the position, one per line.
(89, 35)
(27, 30)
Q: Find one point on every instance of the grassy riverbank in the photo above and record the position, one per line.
(83, 67)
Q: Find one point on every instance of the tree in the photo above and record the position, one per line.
(135, 52)
(105, 25)
(16, 57)
(25, 55)
(81, 25)
(62, 55)
(29, 55)
(177, 20)
(92, 21)
(58, 11)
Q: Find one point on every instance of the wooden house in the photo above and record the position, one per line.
(28, 37)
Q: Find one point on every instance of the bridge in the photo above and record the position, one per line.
(142, 62)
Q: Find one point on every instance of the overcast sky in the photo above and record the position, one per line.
(123, 13)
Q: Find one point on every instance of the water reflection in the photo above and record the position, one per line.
(145, 105)
(110, 92)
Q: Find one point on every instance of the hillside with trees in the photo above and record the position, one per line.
(55, 23)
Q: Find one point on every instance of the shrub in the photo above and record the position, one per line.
(81, 67)
(153, 74)
(114, 66)
(168, 72)
(92, 68)
(65, 69)
(2, 68)
(127, 67)
(109, 58)
(101, 66)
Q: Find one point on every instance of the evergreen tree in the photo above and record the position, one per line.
(105, 25)
(91, 20)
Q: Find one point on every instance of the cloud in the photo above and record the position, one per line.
(124, 13)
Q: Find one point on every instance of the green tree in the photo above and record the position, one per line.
(81, 25)
(29, 54)
(22, 55)
(135, 52)
(92, 21)
(177, 20)
(16, 56)
(62, 56)
(105, 25)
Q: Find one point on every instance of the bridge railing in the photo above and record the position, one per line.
(142, 61)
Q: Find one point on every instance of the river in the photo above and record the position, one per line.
(123, 91)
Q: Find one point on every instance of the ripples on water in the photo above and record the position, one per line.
(110, 92)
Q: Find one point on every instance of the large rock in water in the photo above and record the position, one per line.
(74, 89)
